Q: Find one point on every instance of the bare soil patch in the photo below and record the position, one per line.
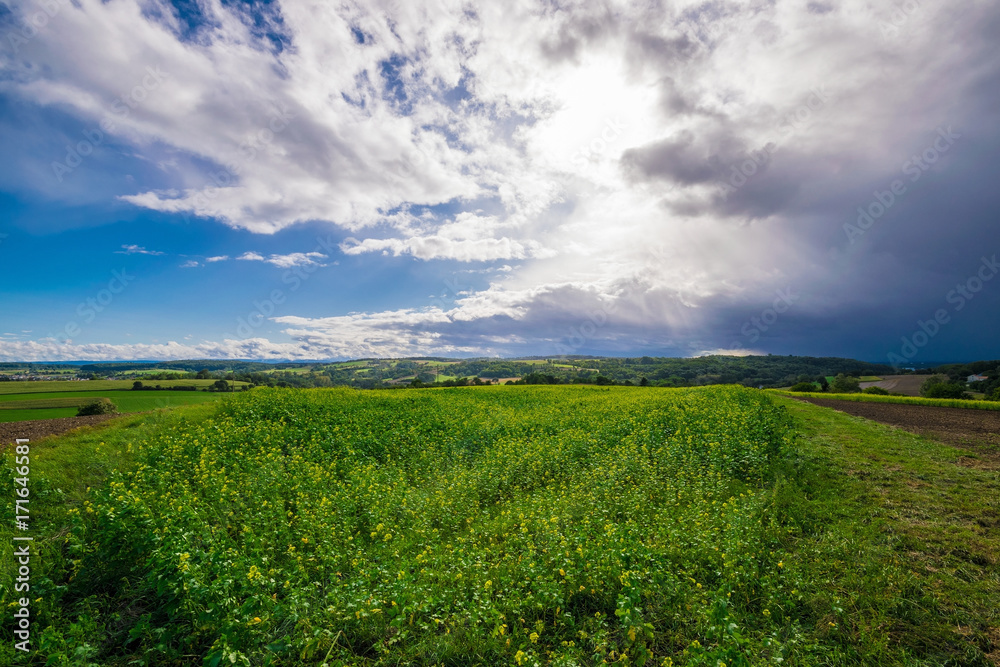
(902, 384)
(978, 430)
(36, 429)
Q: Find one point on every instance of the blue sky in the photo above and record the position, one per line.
(271, 180)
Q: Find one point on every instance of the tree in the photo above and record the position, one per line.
(938, 386)
(845, 384)
(204, 374)
(928, 385)
(220, 385)
(803, 386)
(137, 385)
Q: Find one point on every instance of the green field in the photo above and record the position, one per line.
(863, 378)
(509, 526)
(49, 386)
(20, 407)
(34, 401)
(19, 415)
(902, 400)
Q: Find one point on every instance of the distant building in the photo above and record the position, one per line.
(976, 378)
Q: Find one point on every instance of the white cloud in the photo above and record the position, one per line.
(219, 258)
(587, 142)
(190, 264)
(136, 250)
(285, 261)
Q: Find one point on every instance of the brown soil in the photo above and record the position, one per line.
(974, 429)
(36, 429)
(901, 384)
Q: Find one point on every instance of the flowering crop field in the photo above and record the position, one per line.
(514, 525)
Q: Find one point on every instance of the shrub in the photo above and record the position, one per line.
(932, 381)
(845, 384)
(946, 390)
(102, 406)
(875, 390)
(804, 386)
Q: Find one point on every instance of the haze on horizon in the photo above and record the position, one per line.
(289, 180)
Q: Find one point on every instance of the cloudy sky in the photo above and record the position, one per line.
(316, 180)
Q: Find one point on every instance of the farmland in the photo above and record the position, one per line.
(494, 525)
(48, 386)
(21, 401)
(900, 400)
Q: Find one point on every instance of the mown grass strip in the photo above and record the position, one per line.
(898, 533)
(901, 400)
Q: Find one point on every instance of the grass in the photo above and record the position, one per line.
(50, 386)
(15, 415)
(881, 548)
(19, 407)
(888, 527)
(901, 400)
(30, 402)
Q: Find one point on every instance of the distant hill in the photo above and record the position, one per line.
(370, 373)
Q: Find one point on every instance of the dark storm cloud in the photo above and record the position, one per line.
(677, 158)
(577, 33)
(820, 7)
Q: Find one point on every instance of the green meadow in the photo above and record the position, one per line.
(509, 526)
(21, 401)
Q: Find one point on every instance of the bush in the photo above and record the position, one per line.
(804, 386)
(938, 386)
(931, 382)
(102, 406)
(845, 384)
(875, 390)
(946, 390)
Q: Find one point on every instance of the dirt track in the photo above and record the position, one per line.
(975, 429)
(36, 429)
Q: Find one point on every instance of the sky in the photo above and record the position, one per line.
(306, 180)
